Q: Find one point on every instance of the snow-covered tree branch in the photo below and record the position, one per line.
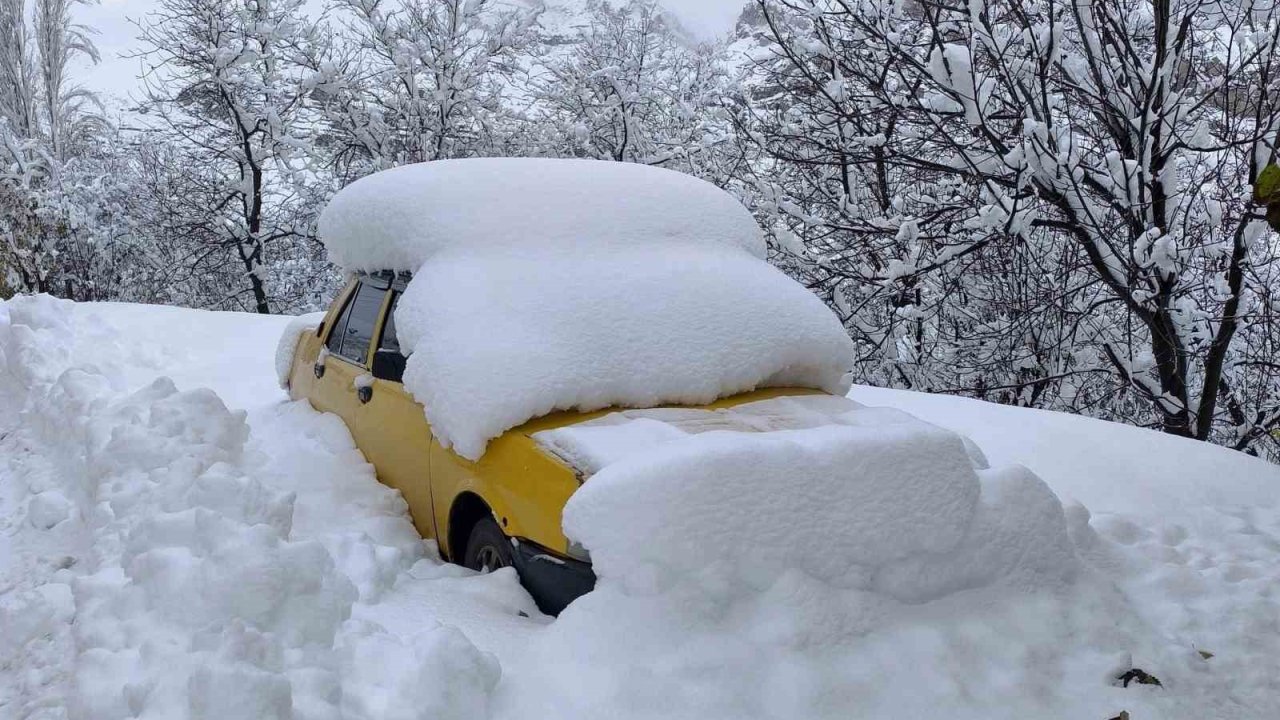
(1049, 200)
(226, 88)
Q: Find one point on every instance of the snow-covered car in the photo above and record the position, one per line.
(502, 315)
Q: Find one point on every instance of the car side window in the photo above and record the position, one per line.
(389, 340)
(357, 331)
(334, 343)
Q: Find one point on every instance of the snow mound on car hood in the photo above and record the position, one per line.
(398, 218)
(589, 446)
(503, 335)
(861, 497)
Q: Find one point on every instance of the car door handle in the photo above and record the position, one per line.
(365, 393)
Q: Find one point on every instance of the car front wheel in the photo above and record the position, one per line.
(487, 548)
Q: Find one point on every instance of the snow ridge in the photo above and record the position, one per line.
(191, 595)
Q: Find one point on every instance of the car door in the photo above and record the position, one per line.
(391, 428)
(348, 343)
(304, 376)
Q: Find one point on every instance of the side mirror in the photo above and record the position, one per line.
(388, 365)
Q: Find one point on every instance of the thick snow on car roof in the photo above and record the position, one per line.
(543, 285)
(397, 218)
(501, 336)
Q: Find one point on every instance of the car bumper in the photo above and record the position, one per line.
(553, 581)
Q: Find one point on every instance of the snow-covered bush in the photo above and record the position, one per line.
(421, 80)
(623, 81)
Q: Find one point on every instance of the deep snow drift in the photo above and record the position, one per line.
(159, 571)
(163, 556)
(877, 502)
(861, 497)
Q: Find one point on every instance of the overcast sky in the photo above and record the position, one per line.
(116, 36)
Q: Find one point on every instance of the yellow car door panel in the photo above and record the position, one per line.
(395, 437)
(387, 424)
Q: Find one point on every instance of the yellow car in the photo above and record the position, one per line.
(502, 510)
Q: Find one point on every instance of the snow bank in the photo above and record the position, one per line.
(396, 219)
(1107, 466)
(288, 343)
(496, 344)
(190, 593)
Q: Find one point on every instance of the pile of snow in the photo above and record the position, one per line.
(589, 446)
(190, 592)
(495, 344)
(397, 219)
(874, 499)
(874, 559)
(544, 285)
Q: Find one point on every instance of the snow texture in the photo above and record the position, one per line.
(870, 499)
(495, 345)
(589, 446)
(166, 556)
(198, 588)
(288, 343)
(398, 218)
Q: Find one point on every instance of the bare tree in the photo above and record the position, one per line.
(226, 88)
(624, 83)
(418, 80)
(1061, 182)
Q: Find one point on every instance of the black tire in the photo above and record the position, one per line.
(487, 548)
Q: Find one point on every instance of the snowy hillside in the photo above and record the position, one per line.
(201, 547)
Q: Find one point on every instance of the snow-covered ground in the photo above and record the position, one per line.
(198, 546)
